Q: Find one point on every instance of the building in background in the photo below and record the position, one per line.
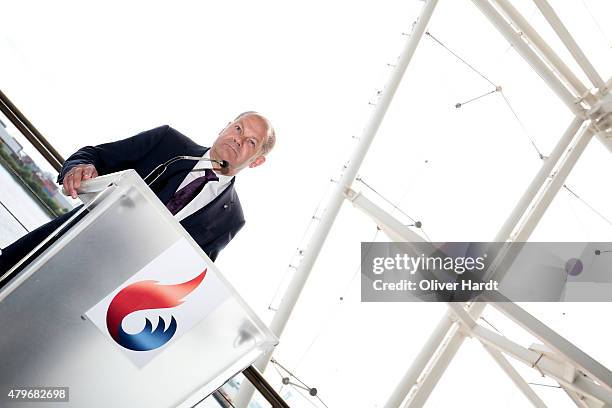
(38, 184)
(9, 144)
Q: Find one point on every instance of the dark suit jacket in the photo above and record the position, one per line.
(212, 226)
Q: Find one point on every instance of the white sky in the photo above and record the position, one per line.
(88, 73)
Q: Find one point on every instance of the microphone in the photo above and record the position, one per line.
(162, 167)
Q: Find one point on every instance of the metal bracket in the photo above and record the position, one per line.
(601, 117)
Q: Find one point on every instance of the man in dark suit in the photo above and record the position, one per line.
(205, 202)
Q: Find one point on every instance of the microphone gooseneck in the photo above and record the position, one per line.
(162, 167)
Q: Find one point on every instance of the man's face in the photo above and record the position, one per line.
(240, 144)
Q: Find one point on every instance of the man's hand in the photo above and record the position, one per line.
(72, 179)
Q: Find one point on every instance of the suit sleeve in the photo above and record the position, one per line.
(116, 156)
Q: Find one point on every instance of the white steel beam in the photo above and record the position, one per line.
(461, 315)
(556, 342)
(419, 364)
(589, 389)
(300, 276)
(601, 118)
(410, 378)
(449, 349)
(554, 184)
(529, 393)
(399, 232)
(529, 55)
(538, 181)
(580, 403)
(390, 225)
(563, 71)
(565, 36)
(455, 337)
(547, 365)
(447, 352)
(439, 364)
(469, 324)
(560, 364)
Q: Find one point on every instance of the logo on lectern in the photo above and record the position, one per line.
(162, 302)
(145, 295)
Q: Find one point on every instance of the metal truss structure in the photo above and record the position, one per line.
(587, 382)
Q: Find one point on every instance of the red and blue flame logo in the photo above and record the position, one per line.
(143, 295)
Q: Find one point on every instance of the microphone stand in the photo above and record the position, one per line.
(222, 163)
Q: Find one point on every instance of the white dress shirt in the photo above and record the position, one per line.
(210, 191)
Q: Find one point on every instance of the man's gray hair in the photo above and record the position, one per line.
(271, 137)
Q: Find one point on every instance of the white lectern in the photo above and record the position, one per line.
(100, 267)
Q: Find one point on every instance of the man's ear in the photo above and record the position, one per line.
(257, 162)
